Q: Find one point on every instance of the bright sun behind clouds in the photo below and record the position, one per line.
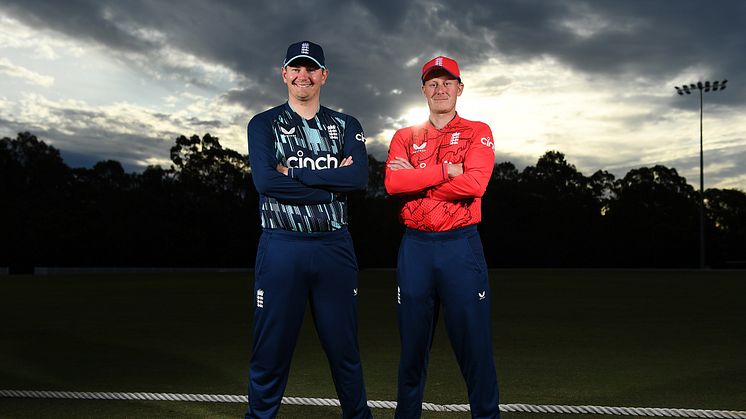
(541, 105)
(415, 115)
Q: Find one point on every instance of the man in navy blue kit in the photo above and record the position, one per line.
(304, 158)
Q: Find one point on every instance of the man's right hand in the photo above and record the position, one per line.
(346, 161)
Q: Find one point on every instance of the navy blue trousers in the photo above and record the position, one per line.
(445, 268)
(291, 269)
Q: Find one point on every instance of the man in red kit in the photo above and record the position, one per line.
(440, 170)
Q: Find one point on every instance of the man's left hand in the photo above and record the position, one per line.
(399, 163)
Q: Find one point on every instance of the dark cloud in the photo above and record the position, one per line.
(86, 20)
(256, 99)
(213, 123)
(715, 172)
(98, 144)
(369, 44)
(90, 146)
(87, 137)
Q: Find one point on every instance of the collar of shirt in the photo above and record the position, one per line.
(456, 119)
(297, 119)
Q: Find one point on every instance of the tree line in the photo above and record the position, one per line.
(202, 212)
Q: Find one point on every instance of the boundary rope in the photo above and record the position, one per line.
(524, 408)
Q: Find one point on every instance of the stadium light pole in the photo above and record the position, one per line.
(702, 87)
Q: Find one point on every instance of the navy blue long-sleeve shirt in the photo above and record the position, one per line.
(311, 198)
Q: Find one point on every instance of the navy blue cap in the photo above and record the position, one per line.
(305, 49)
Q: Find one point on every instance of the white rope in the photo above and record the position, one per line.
(524, 408)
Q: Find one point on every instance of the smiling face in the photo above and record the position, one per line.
(441, 90)
(304, 79)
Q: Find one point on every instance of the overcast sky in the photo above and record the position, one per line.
(102, 79)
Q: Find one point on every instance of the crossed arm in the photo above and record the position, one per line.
(445, 182)
(303, 186)
(285, 170)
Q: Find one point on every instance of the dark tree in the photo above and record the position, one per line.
(376, 173)
(655, 219)
(34, 184)
(726, 211)
(217, 222)
(501, 231)
(561, 214)
(30, 166)
(374, 221)
(203, 164)
(505, 172)
(203, 212)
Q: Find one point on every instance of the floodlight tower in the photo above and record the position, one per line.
(702, 87)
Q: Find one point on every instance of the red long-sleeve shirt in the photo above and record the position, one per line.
(431, 200)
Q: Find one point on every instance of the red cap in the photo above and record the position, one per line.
(441, 63)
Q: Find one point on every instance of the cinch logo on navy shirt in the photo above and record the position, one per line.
(303, 158)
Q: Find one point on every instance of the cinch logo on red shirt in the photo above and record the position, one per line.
(488, 142)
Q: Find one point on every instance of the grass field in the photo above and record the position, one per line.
(627, 338)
